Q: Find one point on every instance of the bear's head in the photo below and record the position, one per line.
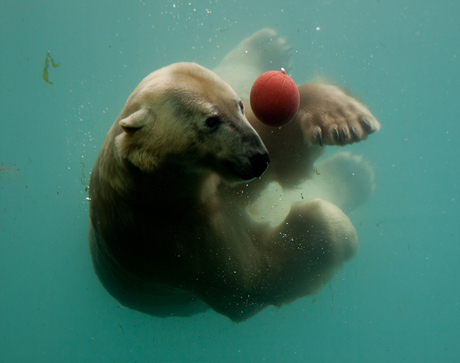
(185, 116)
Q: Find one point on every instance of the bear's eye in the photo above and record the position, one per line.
(242, 107)
(213, 121)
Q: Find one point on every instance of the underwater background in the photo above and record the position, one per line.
(396, 301)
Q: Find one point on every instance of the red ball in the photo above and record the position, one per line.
(274, 98)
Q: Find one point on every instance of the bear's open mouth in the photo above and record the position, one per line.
(254, 168)
(259, 163)
(238, 171)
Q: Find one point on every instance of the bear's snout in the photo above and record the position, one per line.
(259, 163)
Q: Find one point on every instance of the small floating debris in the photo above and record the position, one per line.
(47, 63)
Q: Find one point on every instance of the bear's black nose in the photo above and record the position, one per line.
(259, 163)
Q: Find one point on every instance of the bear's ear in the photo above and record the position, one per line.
(135, 121)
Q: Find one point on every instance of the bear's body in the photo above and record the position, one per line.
(171, 230)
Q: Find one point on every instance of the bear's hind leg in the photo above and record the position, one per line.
(343, 179)
(263, 51)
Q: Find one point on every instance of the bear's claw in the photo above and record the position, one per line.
(320, 138)
(355, 133)
(367, 126)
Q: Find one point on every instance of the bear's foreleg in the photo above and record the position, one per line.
(306, 249)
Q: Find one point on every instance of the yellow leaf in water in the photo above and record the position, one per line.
(45, 69)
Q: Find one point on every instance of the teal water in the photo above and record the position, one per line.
(396, 301)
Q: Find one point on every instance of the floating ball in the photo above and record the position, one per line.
(274, 98)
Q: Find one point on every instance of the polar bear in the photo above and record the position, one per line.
(176, 194)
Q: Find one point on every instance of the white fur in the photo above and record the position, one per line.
(171, 233)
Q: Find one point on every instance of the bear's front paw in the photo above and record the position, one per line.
(329, 116)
